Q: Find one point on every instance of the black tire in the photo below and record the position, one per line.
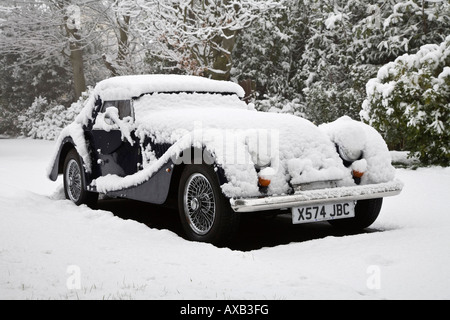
(366, 212)
(74, 181)
(205, 213)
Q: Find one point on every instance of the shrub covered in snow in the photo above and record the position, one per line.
(44, 120)
(409, 102)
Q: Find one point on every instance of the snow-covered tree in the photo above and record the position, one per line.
(307, 49)
(269, 54)
(392, 28)
(409, 102)
(49, 30)
(414, 23)
(310, 57)
(124, 46)
(197, 36)
(350, 40)
(21, 84)
(42, 31)
(331, 75)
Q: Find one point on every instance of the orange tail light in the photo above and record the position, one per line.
(263, 182)
(357, 174)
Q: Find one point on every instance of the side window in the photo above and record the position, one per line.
(124, 106)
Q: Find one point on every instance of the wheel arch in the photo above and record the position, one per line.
(179, 168)
(225, 221)
(58, 164)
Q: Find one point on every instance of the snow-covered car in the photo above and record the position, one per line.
(194, 141)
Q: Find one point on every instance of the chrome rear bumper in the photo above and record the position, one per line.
(321, 196)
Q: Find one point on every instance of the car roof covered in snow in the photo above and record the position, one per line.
(127, 87)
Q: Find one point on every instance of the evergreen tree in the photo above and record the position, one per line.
(409, 103)
(269, 53)
(333, 81)
(22, 83)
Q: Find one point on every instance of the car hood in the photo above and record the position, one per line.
(295, 150)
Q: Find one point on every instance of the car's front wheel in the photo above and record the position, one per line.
(205, 212)
(74, 184)
(366, 212)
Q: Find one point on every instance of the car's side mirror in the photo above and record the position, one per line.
(111, 113)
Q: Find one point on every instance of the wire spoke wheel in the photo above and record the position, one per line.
(205, 212)
(73, 180)
(199, 203)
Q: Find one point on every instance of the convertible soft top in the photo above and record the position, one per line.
(127, 87)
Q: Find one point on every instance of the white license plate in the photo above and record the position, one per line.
(323, 212)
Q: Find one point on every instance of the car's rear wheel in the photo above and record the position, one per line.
(205, 212)
(366, 212)
(74, 184)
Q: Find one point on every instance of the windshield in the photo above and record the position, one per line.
(182, 100)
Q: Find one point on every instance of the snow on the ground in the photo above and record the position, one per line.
(51, 249)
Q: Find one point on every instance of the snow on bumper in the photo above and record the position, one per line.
(322, 196)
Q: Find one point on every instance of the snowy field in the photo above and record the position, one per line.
(51, 249)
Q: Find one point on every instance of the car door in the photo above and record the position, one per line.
(113, 141)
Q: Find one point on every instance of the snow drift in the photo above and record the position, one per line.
(42, 236)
